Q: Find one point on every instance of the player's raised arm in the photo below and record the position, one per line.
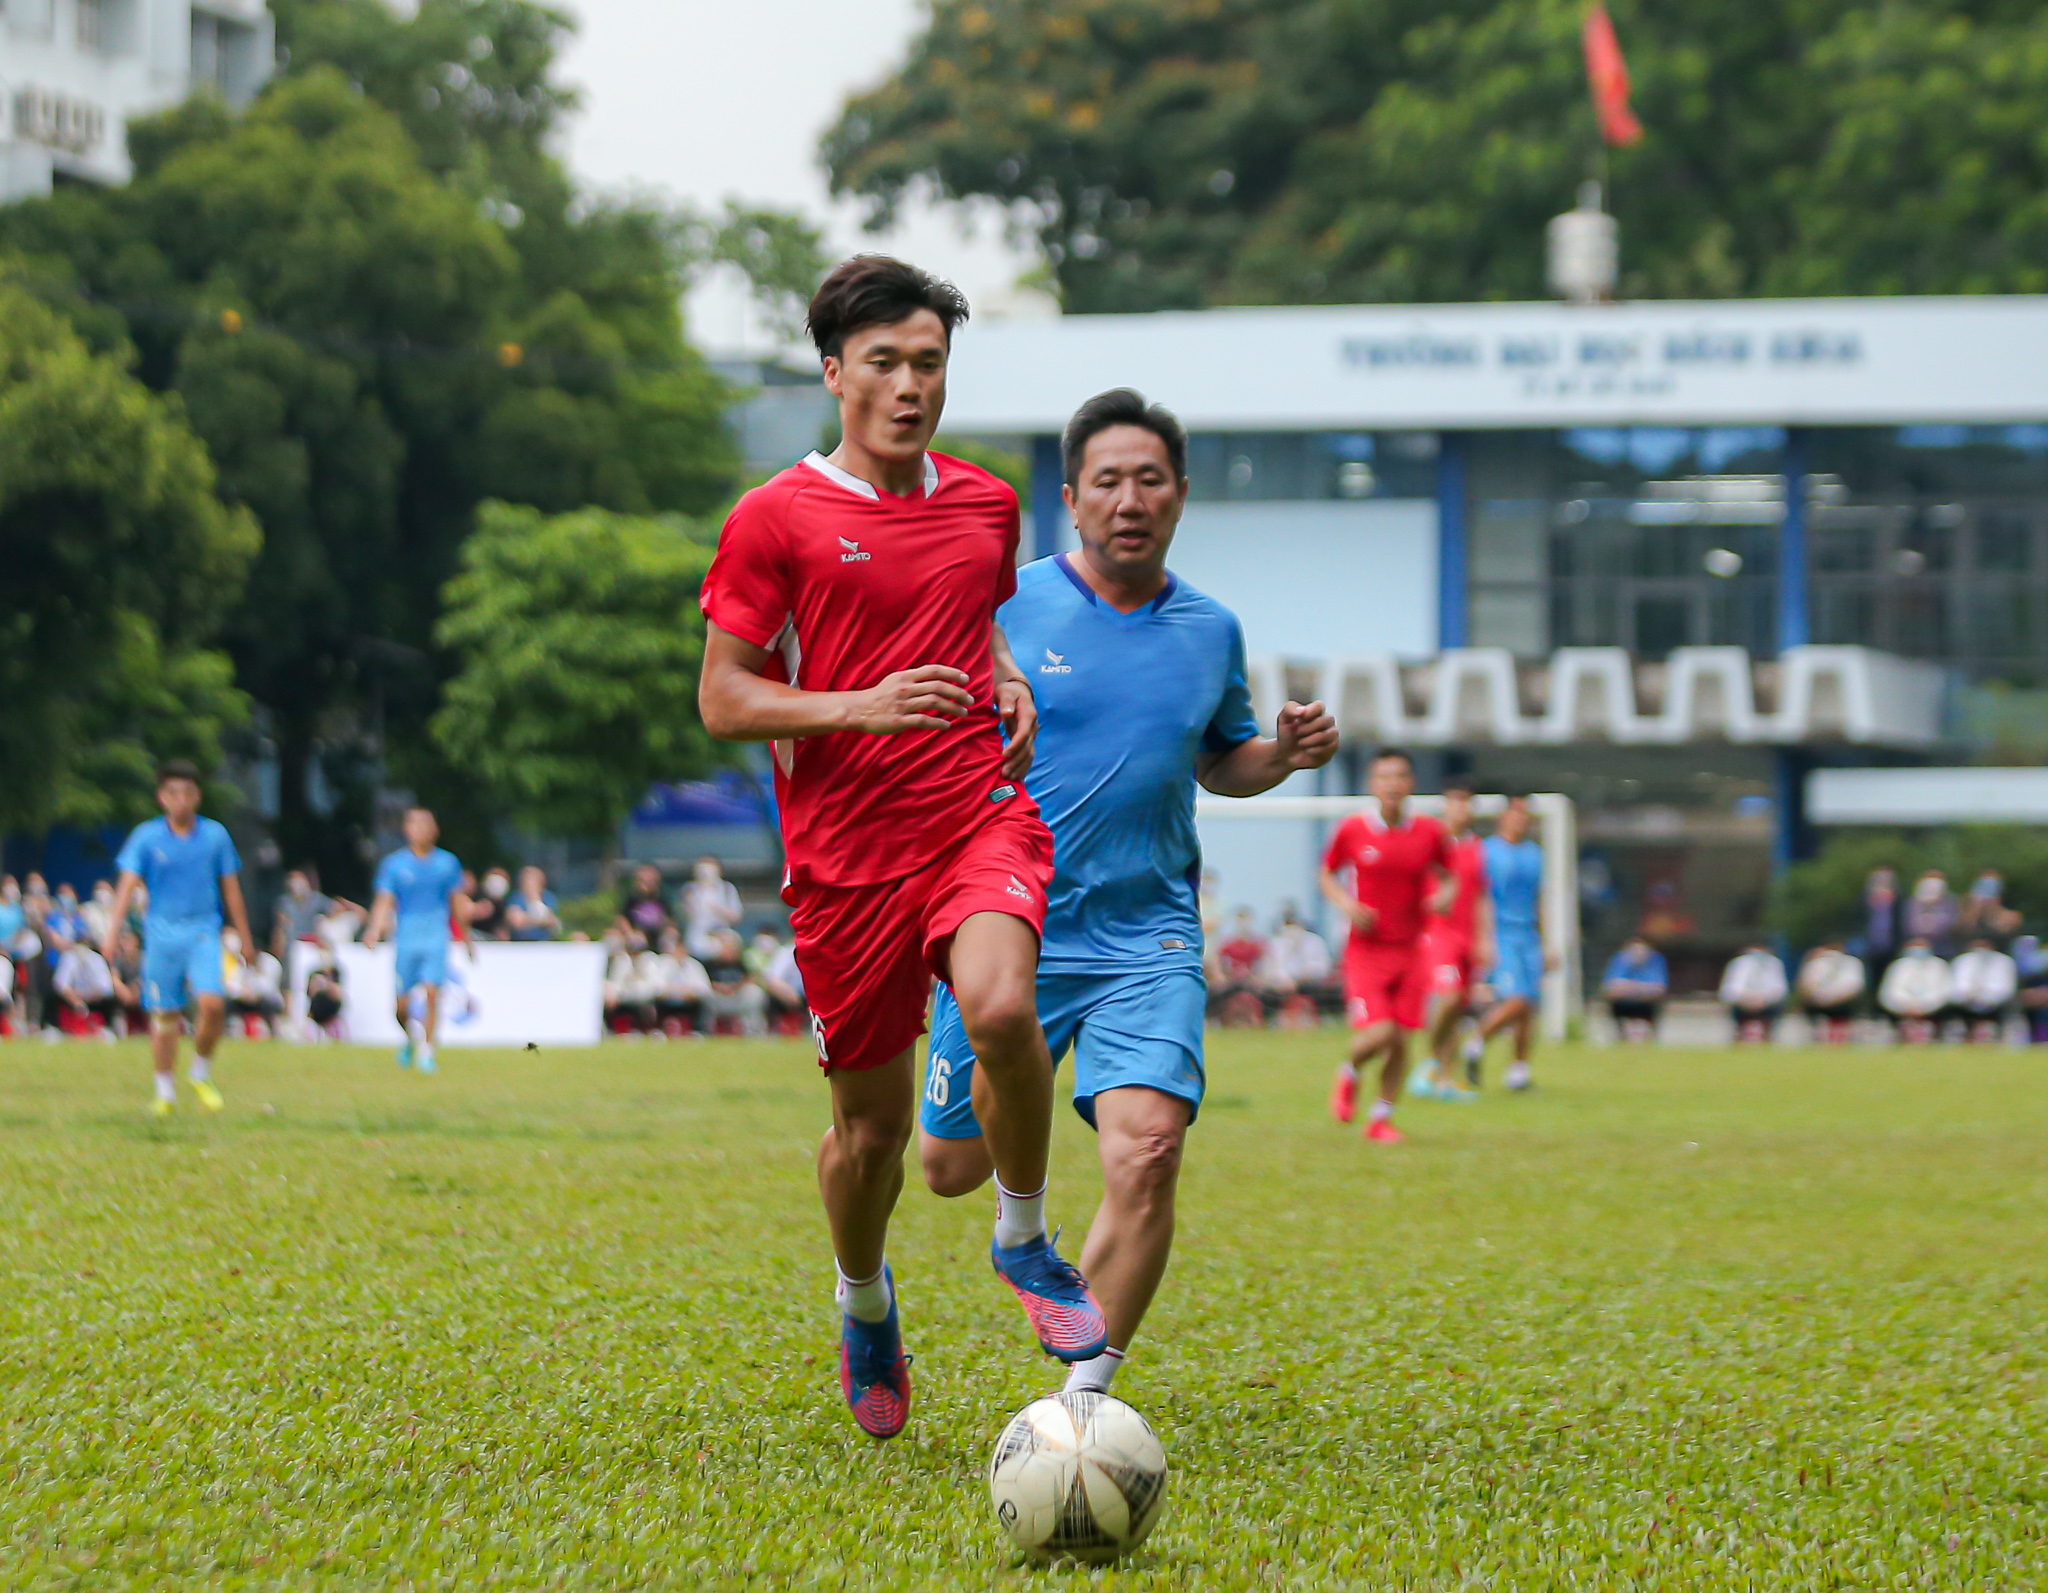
(1305, 737)
(739, 702)
(1015, 704)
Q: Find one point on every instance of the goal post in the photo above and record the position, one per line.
(1313, 817)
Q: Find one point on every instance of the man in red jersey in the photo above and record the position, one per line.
(1457, 942)
(851, 609)
(1392, 858)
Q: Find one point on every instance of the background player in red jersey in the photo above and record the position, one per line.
(1392, 858)
(851, 609)
(1457, 943)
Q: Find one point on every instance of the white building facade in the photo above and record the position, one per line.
(73, 72)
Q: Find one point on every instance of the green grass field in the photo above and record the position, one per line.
(1679, 1320)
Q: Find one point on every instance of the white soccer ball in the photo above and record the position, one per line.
(1078, 1476)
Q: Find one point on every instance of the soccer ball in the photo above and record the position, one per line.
(1078, 1476)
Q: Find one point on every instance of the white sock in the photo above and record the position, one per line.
(867, 1300)
(199, 1072)
(1518, 1073)
(1475, 1048)
(166, 1088)
(1019, 1218)
(1094, 1374)
(426, 1053)
(1381, 1111)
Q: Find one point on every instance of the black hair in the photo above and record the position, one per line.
(1122, 406)
(176, 769)
(877, 290)
(1462, 787)
(1395, 752)
(1516, 796)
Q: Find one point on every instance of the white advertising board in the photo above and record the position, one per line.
(1903, 361)
(549, 993)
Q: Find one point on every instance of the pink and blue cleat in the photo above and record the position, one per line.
(1055, 1297)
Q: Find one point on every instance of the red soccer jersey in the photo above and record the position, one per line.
(849, 584)
(1468, 870)
(1390, 871)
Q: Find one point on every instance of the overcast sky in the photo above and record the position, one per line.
(707, 102)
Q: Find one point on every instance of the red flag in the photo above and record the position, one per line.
(1607, 73)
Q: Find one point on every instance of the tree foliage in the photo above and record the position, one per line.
(382, 302)
(580, 640)
(1176, 153)
(119, 562)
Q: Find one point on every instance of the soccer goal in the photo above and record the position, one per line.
(1266, 850)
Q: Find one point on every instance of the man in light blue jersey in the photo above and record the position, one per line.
(1141, 690)
(1514, 878)
(192, 873)
(419, 889)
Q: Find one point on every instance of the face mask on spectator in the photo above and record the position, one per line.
(297, 885)
(10, 892)
(67, 898)
(1929, 890)
(496, 884)
(706, 873)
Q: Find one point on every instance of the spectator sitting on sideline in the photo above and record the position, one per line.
(324, 1001)
(733, 993)
(1831, 982)
(531, 911)
(487, 916)
(628, 1003)
(1239, 998)
(1915, 990)
(64, 925)
(1753, 989)
(1634, 986)
(643, 911)
(679, 986)
(1931, 913)
(710, 903)
(300, 910)
(255, 992)
(127, 971)
(85, 985)
(1298, 965)
(98, 912)
(2030, 960)
(1982, 983)
(783, 982)
(1984, 911)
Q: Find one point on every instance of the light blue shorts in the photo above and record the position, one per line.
(1141, 1027)
(1517, 964)
(419, 962)
(179, 962)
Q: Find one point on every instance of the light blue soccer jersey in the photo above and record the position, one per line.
(1514, 875)
(183, 872)
(1126, 703)
(421, 886)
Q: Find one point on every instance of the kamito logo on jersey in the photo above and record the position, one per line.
(853, 554)
(1055, 664)
(1018, 889)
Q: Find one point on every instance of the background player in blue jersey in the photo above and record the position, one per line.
(419, 889)
(1514, 878)
(1141, 691)
(189, 867)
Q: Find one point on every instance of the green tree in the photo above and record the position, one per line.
(369, 349)
(580, 638)
(1186, 152)
(120, 565)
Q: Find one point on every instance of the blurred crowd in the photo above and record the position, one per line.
(678, 965)
(1928, 962)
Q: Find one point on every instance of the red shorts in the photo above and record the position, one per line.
(1385, 983)
(1449, 961)
(869, 953)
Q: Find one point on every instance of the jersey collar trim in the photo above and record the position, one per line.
(1065, 561)
(866, 489)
